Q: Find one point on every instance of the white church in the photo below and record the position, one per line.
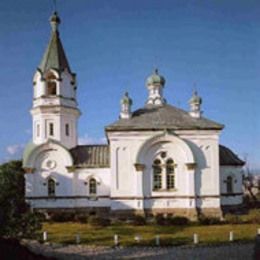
(159, 158)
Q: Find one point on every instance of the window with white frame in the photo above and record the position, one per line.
(229, 183)
(170, 174)
(92, 187)
(51, 185)
(163, 173)
(157, 174)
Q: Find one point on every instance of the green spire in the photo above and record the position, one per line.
(54, 56)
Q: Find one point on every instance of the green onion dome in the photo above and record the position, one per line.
(155, 79)
(195, 99)
(126, 99)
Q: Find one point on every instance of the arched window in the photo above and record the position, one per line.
(170, 175)
(157, 174)
(51, 187)
(92, 187)
(51, 84)
(229, 183)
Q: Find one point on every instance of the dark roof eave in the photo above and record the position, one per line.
(82, 166)
(119, 128)
(234, 164)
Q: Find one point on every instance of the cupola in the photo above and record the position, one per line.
(155, 84)
(126, 103)
(195, 105)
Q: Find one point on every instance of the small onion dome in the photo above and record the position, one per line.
(155, 79)
(126, 100)
(55, 21)
(195, 99)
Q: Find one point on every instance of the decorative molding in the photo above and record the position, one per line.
(165, 190)
(166, 197)
(191, 166)
(29, 170)
(232, 194)
(139, 167)
(67, 197)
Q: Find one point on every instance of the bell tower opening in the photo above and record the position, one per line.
(51, 84)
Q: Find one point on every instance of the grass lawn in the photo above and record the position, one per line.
(169, 235)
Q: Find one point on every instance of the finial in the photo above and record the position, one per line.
(195, 103)
(156, 71)
(126, 103)
(55, 21)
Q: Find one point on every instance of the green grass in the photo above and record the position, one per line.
(64, 233)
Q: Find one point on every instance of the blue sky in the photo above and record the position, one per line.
(114, 45)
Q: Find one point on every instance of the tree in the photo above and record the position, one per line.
(16, 220)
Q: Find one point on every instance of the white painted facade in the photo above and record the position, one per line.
(127, 182)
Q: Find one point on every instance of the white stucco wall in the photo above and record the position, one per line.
(60, 109)
(236, 196)
(127, 186)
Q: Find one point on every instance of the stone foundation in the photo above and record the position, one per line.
(211, 212)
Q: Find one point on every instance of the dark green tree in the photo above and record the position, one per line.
(16, 220)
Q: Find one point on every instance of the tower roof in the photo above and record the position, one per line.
(54, 56)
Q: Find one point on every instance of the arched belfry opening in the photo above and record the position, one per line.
(51, 84)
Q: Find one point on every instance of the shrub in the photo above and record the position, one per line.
(203, 220)
(81, 217)
(160, 220)
(139, 220)
(16, 219)
(98, 221)
(178, 220)
(252, 217)
(62, 216)
(233, 219)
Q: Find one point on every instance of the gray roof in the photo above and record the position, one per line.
(97, 156)
(163, 117)
(228, 158)
(91, 156)
(54, 56)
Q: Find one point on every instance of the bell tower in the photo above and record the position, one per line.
(55, 110)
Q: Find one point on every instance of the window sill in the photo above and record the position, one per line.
(93, 198)
(165, 190)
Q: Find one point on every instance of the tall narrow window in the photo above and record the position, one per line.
(67, 130)
(51, 129)
(38, 130)
(157, 175)
(229, 183)
(51, 187)
(92, 187)
(170, 175)
(51, 85)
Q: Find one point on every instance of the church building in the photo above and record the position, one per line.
(159, 158)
